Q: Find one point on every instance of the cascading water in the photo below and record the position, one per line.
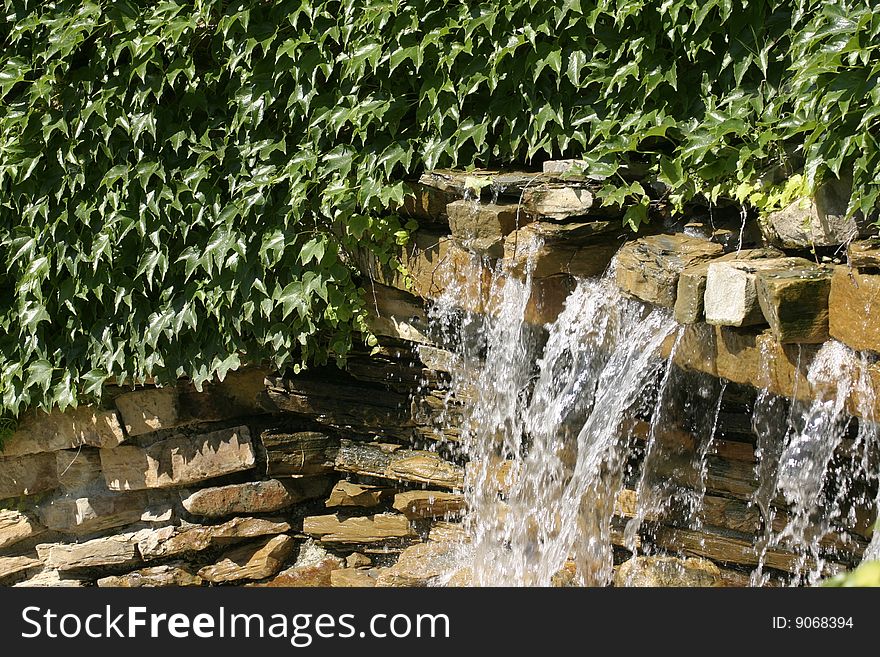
(821, 499)
(555, 415)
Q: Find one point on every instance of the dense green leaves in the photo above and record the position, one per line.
(183, 184)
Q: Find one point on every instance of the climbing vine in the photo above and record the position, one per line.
(184, 185)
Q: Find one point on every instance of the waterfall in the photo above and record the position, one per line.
(581, 437)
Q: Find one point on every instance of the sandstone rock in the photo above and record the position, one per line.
(648, 268)
(174, 541)
(420, 466)
(312, 568)
(691, 286)
(150, 409)
(795, 303)
(481, 227)
(666, 572)
(429, 504)
(354, 577)
(396, 314)
(428, 204)
(448, 532)
(528, 249)
(424, 564)
(16, 567)
(167, 575)
(467, 182)
(27, 475)
(46, 432)
(461, 578)
(49, 578)
(853, 308)
(563, 166)
(347, 493)
(358, 560)
(731, 297)
(147, 410)
(79, 469)
(253, 497)
(558, 202)
(299, 453)
(820, 221)
(92, 514)
(16, 526)
(118, 550)
(178, 461)
(864, 255)
(363, 530)
(250, 561)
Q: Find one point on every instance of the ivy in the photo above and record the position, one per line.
(183, 185)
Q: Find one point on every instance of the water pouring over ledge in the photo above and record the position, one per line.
(573, 461)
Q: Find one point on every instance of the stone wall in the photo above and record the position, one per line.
(356, 478)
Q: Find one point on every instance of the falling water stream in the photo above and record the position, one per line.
(557, 413)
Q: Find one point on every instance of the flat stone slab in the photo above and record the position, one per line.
(362, 530)
(38, 431)
(250, 561)
(153, 409)
(175, 541)
(12, 567)
(559, 202)
(429, 504)
(348, 493)
(49, 578)
(401, 464)
(94, 513)
(854, 309)
(16, 526)
(178, 461)
(27, 475)
(731, 297)
(649, 268)
(254, 496)
(118, 550)
(167, 575)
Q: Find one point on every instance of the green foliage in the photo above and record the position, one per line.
(183, 184)
(867, 574)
